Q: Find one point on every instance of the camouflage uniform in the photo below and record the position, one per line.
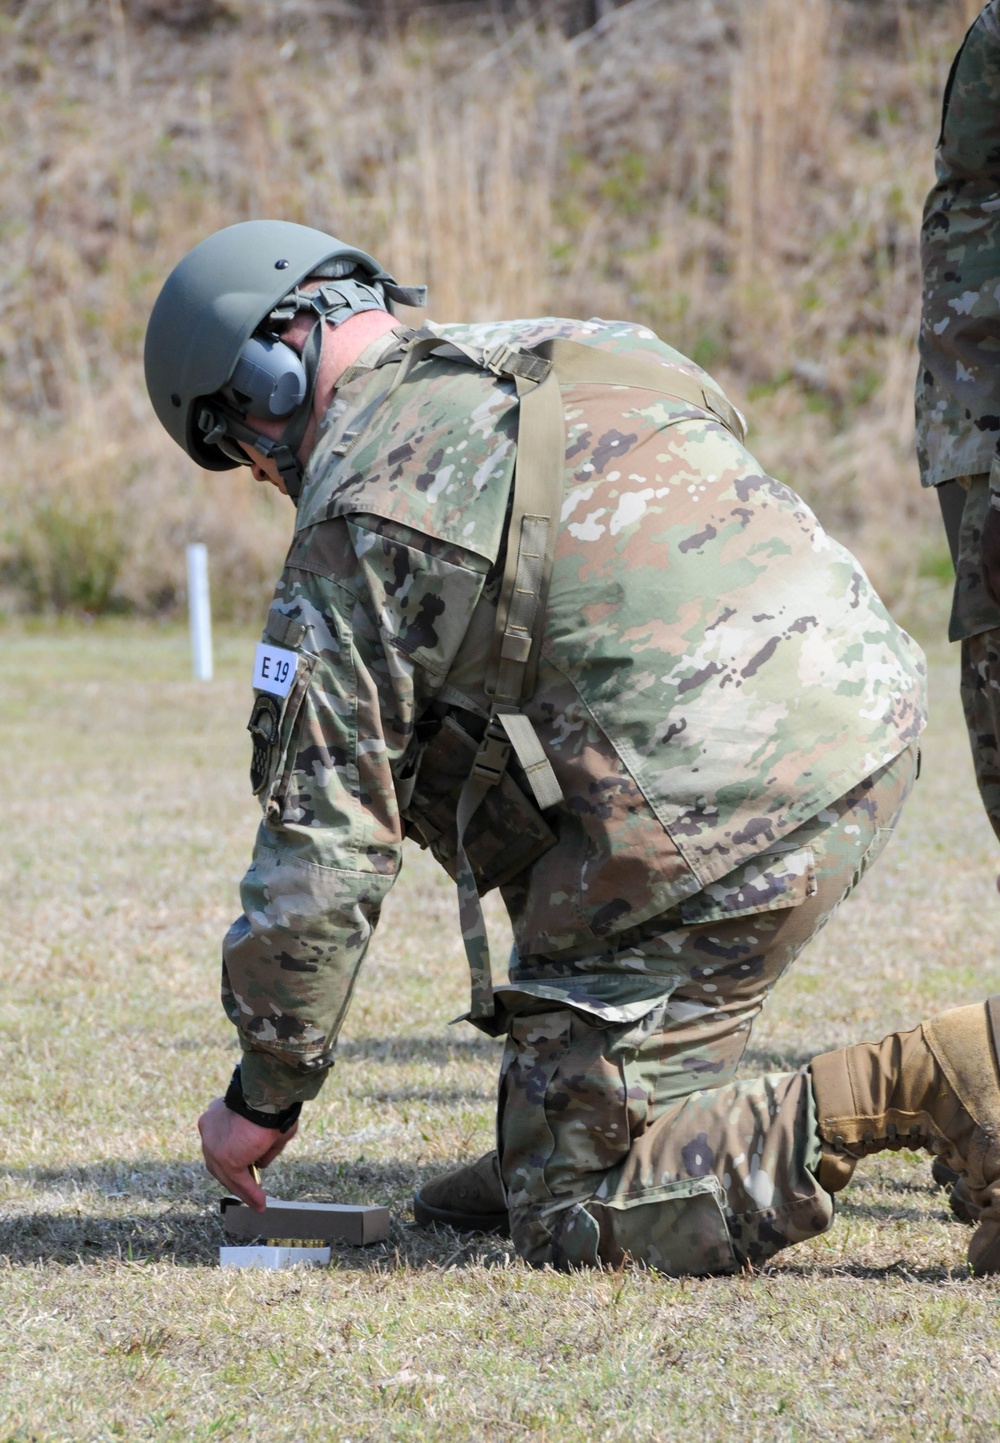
(958, 384)
(731, 715)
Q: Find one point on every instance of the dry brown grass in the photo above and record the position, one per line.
(747, 179)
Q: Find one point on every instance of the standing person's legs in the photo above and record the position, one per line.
(975, 622)
(980, 690)
(630, 1137)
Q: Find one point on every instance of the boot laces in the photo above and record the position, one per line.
(914, 1137)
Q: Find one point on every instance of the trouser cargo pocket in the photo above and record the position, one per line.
(678, 1228)
(569, 1108)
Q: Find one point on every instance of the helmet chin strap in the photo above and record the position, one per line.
(220, 422)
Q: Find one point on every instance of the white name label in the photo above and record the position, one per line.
(274, 669)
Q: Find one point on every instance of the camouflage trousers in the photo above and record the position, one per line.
(975, 621)
(980, 688)
(621, 1130)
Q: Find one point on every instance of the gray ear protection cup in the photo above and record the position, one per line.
(268, 379)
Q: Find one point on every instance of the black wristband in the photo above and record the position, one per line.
(236, 1102)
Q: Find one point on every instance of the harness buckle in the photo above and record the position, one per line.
(493, 755)
(508, 360)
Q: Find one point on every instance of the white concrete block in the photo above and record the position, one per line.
(262, 1256)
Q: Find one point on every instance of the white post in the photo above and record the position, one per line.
(199, 611)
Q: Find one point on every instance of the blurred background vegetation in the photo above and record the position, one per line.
(746, 178)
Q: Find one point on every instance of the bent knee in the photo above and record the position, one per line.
(680, 1229)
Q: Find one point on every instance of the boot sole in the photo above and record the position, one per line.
(426, 1215)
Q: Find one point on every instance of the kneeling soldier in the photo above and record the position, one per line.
(544, 613)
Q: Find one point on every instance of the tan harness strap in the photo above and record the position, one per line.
(374, 355)
(470, 912)
(539, 471)
(539, 483)
(531, 754)
(416, 348)
(536, 504)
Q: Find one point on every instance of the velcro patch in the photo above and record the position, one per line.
(274, 669)
(263, 726)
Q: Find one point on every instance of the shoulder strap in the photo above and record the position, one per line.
(539, 468)
(539, 472)
(588, 365)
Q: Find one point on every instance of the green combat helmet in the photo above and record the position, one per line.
(214, 359)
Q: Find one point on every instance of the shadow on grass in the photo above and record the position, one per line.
(188, 1232)
(151, 1212)
(891, 1212)
(901, 1270)
(918, 1186)
(189, 1237)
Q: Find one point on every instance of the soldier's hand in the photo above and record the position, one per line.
(989, 554)
(232, 1145)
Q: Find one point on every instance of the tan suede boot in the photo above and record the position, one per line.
(470, 1198)
(936, 1087)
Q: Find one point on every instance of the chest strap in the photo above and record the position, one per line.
(538, 488)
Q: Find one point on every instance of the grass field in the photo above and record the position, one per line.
(128, 822)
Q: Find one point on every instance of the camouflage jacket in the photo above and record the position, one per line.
(715, 670)
(958, 382)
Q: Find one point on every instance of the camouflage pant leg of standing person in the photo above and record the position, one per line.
(975, 621)
(980, 687)
(631, 1138)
